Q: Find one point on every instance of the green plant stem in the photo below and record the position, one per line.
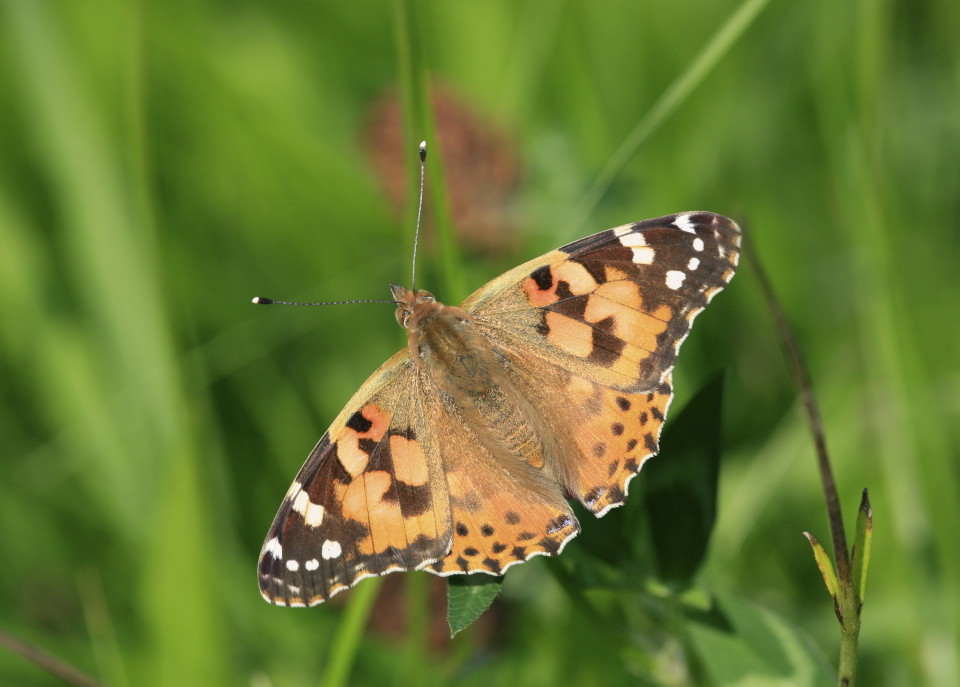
(50, 664)
(808, 400)
(419, 125)
(418, 628)
(849, 639)
(846, 602)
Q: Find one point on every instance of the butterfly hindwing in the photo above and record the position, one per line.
(603, 435)
(504, 510)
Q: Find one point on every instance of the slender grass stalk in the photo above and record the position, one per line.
(137, 111)
(671, 99)
(419, 125)
(417, 630)
(847, 597)
(808, 401)
(346, 641)
(49, 663)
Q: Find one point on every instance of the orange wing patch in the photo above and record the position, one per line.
(369, 424)
(409, 460)
(496, 525)
(616, 434)
(570, 278)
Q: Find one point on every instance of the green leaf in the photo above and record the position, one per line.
(740, 643)
(680, 492)
(826, 569)
(468, 596)
(861, 546)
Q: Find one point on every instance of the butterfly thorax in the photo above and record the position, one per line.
(456, 360)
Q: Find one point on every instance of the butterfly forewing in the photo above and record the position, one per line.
(371, 498)
(615, 306)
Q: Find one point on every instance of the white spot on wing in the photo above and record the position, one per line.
(293, 566)
(621, 230)
(312, 512)
(330, 549)
(693, 264)
(698, 244)
(314, 515)
(644, 255)
(675, 279)
(634, 238)
(312, 564)
(274, 548)
(683, 222)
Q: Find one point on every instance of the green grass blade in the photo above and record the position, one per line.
(419, 124)
(346, 642)
(671, 99)
(862, 544)
(825, 565)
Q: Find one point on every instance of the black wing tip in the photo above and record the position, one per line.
(700, 222)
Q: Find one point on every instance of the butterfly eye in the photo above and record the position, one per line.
(426, 298)
(402, 317)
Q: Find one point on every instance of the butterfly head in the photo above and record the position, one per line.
(413, 306)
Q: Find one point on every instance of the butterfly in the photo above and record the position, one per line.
(459, 454)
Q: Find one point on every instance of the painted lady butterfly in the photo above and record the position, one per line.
(459, 454)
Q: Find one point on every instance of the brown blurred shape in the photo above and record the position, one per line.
(479, 161)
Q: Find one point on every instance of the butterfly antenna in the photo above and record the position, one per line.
(260, 300)
(416, 233)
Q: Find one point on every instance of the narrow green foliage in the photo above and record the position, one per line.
(680, 90)
(862, 544)
(420, 125)
(346, 641)
(825, 565)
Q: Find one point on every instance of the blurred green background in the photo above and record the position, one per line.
(163, 162)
